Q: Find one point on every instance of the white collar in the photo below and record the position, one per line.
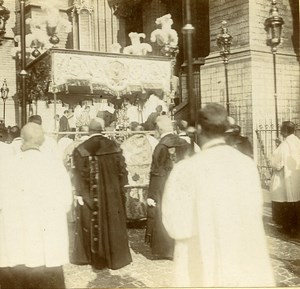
(17, 139)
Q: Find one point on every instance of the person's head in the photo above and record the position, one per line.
(213, 121)
(164, 124)
(159, 108)
(87, 109)
(35, 119)
(66, 112)
(181, 125)
(56, 117)
(134, 125)
(84, 128)
(287, 128)
(15, 132)
(96, 124)
(32, 135)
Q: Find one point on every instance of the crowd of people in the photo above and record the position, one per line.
(201, 197)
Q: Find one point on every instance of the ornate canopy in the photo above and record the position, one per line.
(61, 72)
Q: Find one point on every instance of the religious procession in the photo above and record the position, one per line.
(140, 148)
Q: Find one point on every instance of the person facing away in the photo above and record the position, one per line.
(34, 206)
(169, 150)
(99, 176)
(234, 138)
(49, 146)
(64, 124)
(212, 206)
(285, 183)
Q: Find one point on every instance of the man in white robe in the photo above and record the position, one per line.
(35, 193)
(49, 146)
(285, 185)
(212, 207)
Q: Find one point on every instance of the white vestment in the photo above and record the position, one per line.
(285, 185)
(212, 207)
(49, 147)
(5, 152)
(35, 193)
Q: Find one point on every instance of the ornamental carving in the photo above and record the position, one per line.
(80, 5)
(115, 75)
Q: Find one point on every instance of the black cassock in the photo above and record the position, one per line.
(170, 149)
(100, 230)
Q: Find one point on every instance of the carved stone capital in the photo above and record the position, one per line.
(80, 5)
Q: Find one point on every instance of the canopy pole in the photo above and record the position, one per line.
(55, 98)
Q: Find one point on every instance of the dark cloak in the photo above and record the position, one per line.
(100, 232)
(170, 149)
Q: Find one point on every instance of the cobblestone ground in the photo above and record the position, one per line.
(145, 271)
(285, 253)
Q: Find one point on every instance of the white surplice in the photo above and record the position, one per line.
(212, 207)
(285, 185)
(35, 197)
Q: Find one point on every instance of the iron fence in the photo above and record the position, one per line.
(266, 144)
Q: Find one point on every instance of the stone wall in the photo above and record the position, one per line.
(7, 67)
(250, 68)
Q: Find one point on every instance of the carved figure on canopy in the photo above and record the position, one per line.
(165, 35)
(51, 22)
(36, 39)
(115, 48)
(55, 21)
(136, 47)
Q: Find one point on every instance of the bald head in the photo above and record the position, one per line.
(164, 124)
(97, 124)
(35, 119)
(32, 135)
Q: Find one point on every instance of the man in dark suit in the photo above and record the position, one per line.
(64, 124)
(170, 149)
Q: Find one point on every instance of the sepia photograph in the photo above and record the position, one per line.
(149, 144)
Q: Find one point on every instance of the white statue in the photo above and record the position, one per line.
(51, 20)
(136, 47)
(37, 38)
(165, 35)
(115, 48)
